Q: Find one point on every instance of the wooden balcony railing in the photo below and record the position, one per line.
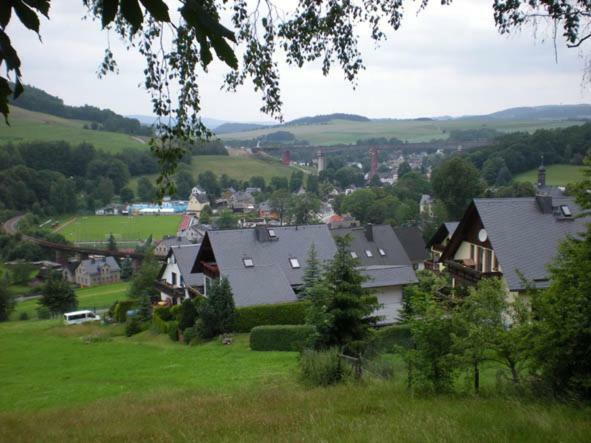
(468, 274)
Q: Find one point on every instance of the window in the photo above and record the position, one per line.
(272, 233)
(248, 262)
(472, 252)
(488, 261)
(173, 277)
(294, 262)
(480, 259)
(566, 211)
(368, 253)
(353, 254)
(382, 252)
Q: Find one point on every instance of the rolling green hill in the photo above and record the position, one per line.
(29, 126)
(346, 131)
(556, 175)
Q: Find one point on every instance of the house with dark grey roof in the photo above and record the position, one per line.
(97, 270)
(383, 259)
(176, 281)
(264, 264)
(163, 246)
(413, 243)
(437, 244)
(509, 237)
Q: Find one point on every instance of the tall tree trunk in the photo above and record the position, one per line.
(476, 376)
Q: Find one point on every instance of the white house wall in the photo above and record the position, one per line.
(390, 297)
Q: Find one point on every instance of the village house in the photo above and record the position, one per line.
(97, 270)
(413, 243)
(197, 201)
(161, 249)
(426, 205)
(384, 261)
(437, 244)
(511, 238)
(242, 201)
(176, 282)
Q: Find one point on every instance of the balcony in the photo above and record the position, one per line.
(432, 265)
(210, 269)
(168, 289)
(464, 272)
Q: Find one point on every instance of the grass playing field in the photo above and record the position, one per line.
(344, 131)
(59, 387)
(29, 126)
(98, 297)
(97, 228)
(556, 175)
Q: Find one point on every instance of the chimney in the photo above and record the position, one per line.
(369, 232)
(260, 232)
(544, 203)
(542, 175)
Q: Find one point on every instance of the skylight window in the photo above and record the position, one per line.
(368, 253)
(272, 233)
(295, 263)
(566, 211)
(353, 254)
(382, 252)
(248, 262)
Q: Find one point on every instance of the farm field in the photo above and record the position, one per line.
(30, 126)
(98, 297)
(556, 175)
(97, 228)
(345, 131)
(57, 387)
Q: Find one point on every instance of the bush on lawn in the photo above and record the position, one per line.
(322, 368)
(261, 315)
(280, 337)
(133, 326)
(190, 334)
(43, 313)
(120, 311)
(173, 330)
(23, 316)
(387, 339)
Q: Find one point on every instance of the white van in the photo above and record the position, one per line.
(77, 317)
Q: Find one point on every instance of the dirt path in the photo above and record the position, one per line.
(63, 225)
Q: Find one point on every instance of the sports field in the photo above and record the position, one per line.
(29, 126)
(345, 131)
(556, 175)
(97, 228)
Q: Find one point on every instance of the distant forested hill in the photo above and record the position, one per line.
(35, 99)
(547, 112)
(227, 128)
(319, 119)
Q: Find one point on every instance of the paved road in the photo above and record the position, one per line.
(10, 225)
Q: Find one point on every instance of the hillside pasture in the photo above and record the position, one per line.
(556, 175)
(413, 131)
(60, 385)
(97, 228)
(30, 126)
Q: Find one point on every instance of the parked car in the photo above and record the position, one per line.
(77, 317)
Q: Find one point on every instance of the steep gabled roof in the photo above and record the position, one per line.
(446, 229)
(93, 266)
(185, 258)
(373, 238)
(413, 243)
(525, 239)
(382, 276)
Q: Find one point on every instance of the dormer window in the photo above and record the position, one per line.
(248, 262)
(566, 211)
(353, 254)
(382, 252)
(272, 233)
(295, 263)
(368, 253)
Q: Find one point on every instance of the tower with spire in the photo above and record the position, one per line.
(542, 174)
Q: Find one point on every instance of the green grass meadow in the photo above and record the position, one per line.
(345, 131)
(556, 175)
(97, 228)
(59, 386)
(30, 126)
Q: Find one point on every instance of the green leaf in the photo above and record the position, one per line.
(8, 53)
(40, 5)
(132, 12)
(109, 11)
(27, 16)
(158, 9)
(4, 93)
(225, 52)
(5, 13)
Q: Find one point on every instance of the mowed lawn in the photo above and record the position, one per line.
(556, 175)
(30, 126)
(57, 386)
(97, 297)
(124, 228)
(346, 131)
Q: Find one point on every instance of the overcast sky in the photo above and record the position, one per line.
(448, 60)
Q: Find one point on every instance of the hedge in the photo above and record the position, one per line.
(261, 315)
(120, 311)
(389, 337)
(280, 337)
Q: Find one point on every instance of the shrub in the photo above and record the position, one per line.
(188, 315)
(261, 315)
(389, 338)
(43, 313)
(132, 327)
(164, 313)
(23, 316)
(120, 311)
(322, 368)
(173, 330)
(190, 334)
(158, 323)
(280, 337)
